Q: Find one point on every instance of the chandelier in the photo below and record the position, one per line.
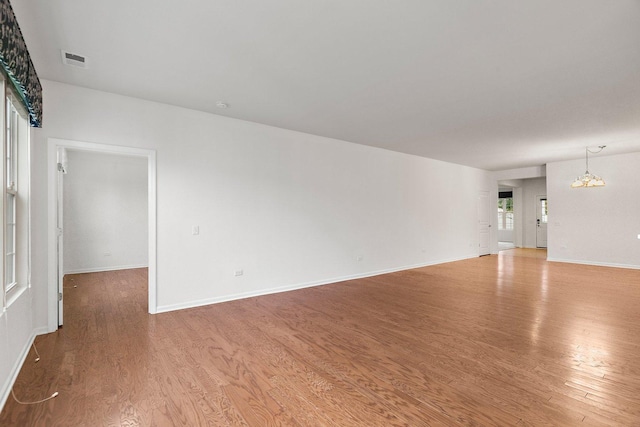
(589, 179)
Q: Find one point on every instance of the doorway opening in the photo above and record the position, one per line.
(518, 210)
(506, 219)
(542, 212)
(97, 212)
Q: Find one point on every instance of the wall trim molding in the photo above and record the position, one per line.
(298, 286)
(5, 391)
(101, 269)
(595, 263)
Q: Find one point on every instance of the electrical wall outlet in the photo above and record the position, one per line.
(238, 273)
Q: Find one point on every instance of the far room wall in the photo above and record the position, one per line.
(595, 225)
(105, 212)
(288, 209)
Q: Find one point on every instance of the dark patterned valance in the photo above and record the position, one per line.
(17, 65)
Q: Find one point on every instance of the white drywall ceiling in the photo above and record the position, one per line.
(491, 84)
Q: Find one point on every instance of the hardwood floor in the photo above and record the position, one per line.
(508, 340)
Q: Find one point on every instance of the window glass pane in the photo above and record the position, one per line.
(16, 135)
(505, 213)
(11, 144)
(10, 242)
(9, 237)
(11, 203)
(10, 271)
(14, 121)
(8, 143)
(509, 221)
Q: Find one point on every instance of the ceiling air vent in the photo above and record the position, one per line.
(74, 60)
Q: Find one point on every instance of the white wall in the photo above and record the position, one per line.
(105, 212)
(505, 236)
(290, 209)
(518, 217)
(16, 322)
(16, 335)
(531, 188)
(595, 225)
(510, 177)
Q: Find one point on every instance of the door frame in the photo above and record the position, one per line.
(539, 199)
(53, 145)
(60, 161)
(484, 221)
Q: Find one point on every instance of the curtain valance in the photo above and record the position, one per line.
(17, 65)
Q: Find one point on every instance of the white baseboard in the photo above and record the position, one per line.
(595, 263)
(5, 391)
(101, 269)
(233, 297)
(41, 331)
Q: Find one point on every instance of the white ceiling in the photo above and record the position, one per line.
(494, 84)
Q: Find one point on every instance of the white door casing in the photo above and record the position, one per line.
(484, 223)
(55, 266)
(541, 221)
(61, 161)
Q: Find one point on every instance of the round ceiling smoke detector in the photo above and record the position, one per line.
(222, 105)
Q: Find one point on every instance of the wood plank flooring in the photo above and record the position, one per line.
(508, 340)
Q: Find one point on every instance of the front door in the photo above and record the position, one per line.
(542, 209)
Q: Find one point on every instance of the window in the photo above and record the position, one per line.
(11, 144)
(505, 213)
(544, 211)
(14, 206)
